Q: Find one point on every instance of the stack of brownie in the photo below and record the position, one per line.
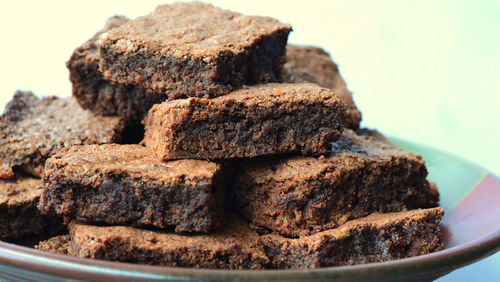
(251, 154)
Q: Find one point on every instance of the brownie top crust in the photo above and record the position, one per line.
(32, 129)
(19, 191)
(55, 245)
(348, 145)
(235, 246)
(374, 221)
(130, 159)
(234, 229)
(195, 29)
(263, 95)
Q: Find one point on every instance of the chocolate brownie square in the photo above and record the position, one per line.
(234, 246)
(19, 216)
(259, 120)
(302, 195)
(126, 184)
(314, 65)
(193, 49)
(33, 129)
(375, 238)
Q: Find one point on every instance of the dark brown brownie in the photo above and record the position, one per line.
(102, 96)
(33, 129)
(19, 216)
(55, 245)
(126, 184)
(313, 64)
(375, 238)
(301, 195)
(233, 247)
(258, 120)
(193, 50)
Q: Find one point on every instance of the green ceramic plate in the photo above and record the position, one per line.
(471, 227)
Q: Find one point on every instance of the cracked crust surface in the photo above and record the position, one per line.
(32, 129)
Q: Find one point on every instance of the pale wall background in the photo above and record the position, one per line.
(426, 71)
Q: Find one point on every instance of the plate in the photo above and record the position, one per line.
(470, 196)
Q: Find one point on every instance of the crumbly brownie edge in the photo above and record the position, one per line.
(360, 241)
(55, 245)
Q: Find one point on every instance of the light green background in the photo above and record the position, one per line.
(426, 71)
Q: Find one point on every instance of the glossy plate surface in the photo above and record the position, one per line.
(471, 227)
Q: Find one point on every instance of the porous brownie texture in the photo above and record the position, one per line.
(55, 245)
(302, 195)
(193, 49)
(375, 238)
(234, 246)
(314, 65)
(32, 129)
(19, 216)
(126, 184)
(259, 120)
(101, 96)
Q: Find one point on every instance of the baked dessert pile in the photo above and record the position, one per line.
(251, 154)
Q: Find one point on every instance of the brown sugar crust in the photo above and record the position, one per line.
(55, 245)
(33, 129)
(19, 216)
(375, 238)
(193, 49)
(126, 184)
(258, 120)
(233, 247)
(301, 195)
(102, 96)
(314, 65)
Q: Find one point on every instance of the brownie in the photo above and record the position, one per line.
(102, 96)
(302, 195)
(313, 64)
(126, 184)
(19, 216)
(32, 129)
(193, 49)
(233, 247)
(55, 245)
(259, 120)
(375, 238)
